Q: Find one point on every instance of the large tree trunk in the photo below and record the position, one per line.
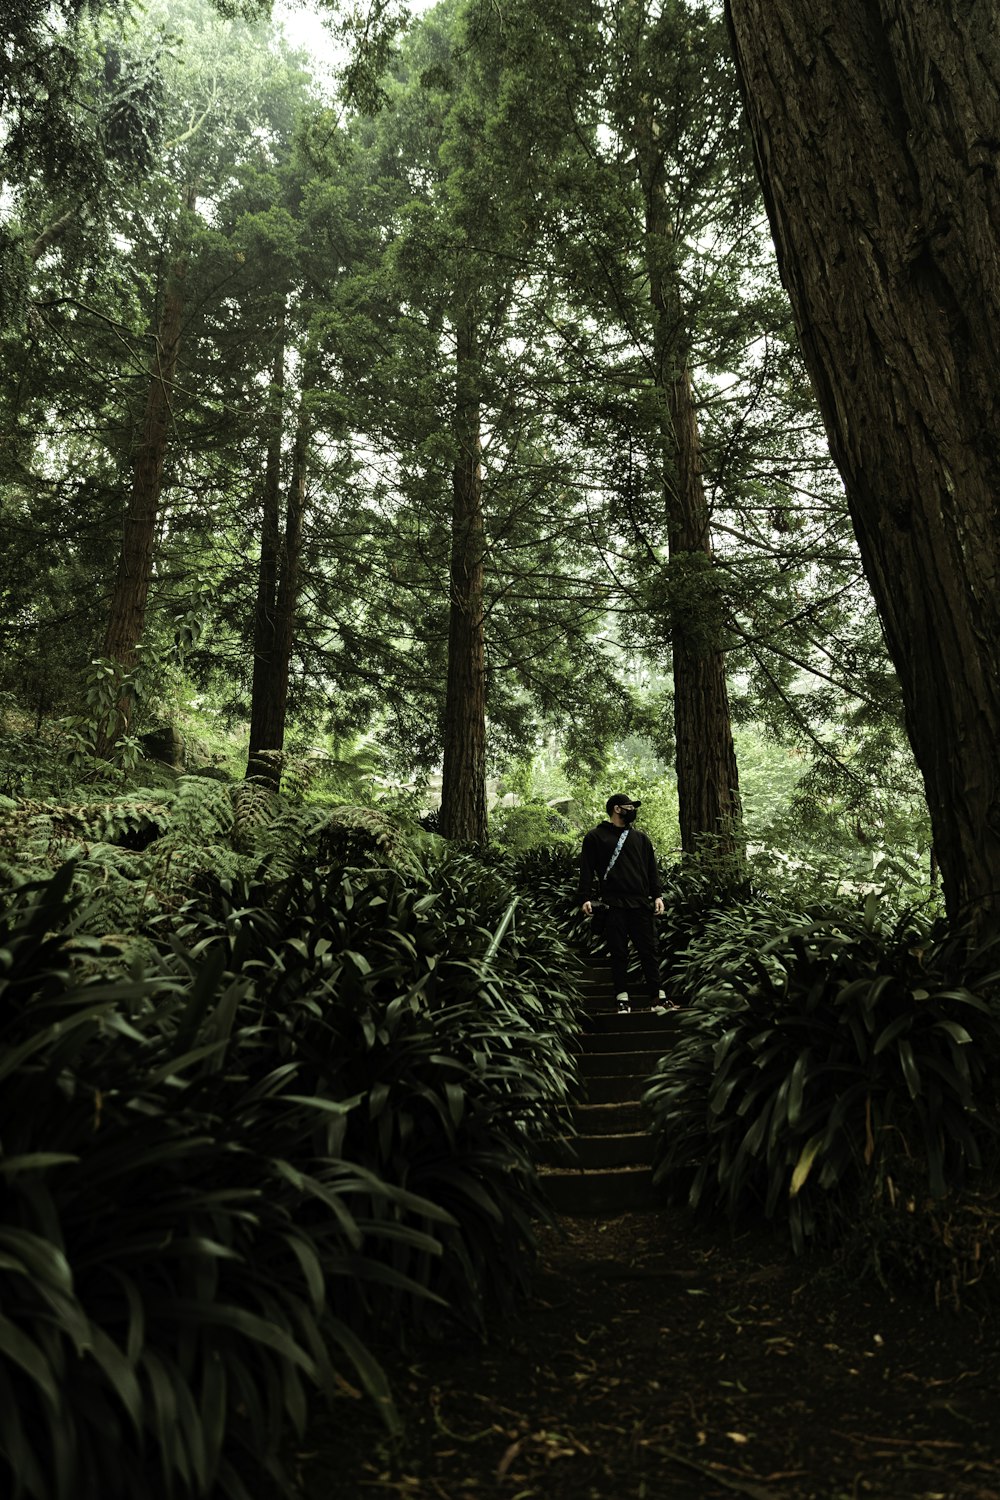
(708, 795)
(133, 575)
(463, 791)
(265, 732)
(271, 673)
(708, 784)
(876, 125)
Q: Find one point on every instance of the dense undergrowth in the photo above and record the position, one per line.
(834, 1070)
(264, 1096)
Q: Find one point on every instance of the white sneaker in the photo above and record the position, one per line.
(623, 1004)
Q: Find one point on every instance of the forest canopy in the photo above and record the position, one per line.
(445, 426)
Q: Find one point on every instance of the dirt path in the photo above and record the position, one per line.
(660, 1361)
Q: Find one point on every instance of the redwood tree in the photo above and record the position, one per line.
(278, 574)
(875, 124)
(127, 606)
(708, 794)
(463, 790)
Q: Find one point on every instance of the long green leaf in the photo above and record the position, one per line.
(370, 1372)
(908, 1064)
(33, 1161)
(804, 1165)
(241, 1320)
(24, 1352)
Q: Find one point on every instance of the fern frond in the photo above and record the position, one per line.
(359, 833)
(254, 806)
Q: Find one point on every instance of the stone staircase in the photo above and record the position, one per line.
(605, 1168)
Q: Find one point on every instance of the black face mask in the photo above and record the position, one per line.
(628, 814)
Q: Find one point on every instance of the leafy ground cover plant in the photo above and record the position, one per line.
(179, 1237)
(456, 1050)
(718, 958)
(547, 878)
(694, 892)
(850, 1050)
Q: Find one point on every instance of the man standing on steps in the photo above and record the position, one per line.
(624, 862)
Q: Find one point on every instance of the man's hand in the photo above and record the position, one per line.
(658, 906)
(587, 908)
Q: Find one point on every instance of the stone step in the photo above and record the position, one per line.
(633, 1148)
(631, 1064)
(633, 1040)
(605, 1168)
(606, 1190)
(613, 1088)
(630, 1148)
(616, 1118)
(598, 1012)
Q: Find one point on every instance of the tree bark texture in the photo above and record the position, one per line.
(127, 612)
(708, 792)
(271, 684)
(133, 575)
(463, 791)
(265, 732)
(708, 783)
(876, 125)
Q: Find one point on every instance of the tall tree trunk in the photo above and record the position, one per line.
(708, 792)
(133, 575)
(708, 783)
(875, 124)
(463, 791)
(265, 734)
(270, 686)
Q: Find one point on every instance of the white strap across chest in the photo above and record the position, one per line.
(618, 849)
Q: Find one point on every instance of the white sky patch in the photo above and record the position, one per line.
(310, 27)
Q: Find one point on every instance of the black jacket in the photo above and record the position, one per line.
(634, 881)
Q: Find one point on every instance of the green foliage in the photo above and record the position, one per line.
(843, 1048)
(138, 853)
(547, 876)
(686, 593)
(459, 1058)
(695, 892)
(839, 818)
(710, 940)
(514, 829)
(309, 1112)
(173, 1240)
(366, 835)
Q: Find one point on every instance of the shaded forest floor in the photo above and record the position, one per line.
(656, 1360)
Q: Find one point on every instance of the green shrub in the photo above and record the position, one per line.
(548, 878)
(844, 1047)
(460, 1061)
(310, 1111)
(528, 826)
(694, 891)
(180, 1239)
(722, 947)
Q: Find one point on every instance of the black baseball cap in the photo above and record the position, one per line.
(617, 800)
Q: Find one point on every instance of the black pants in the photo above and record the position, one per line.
(635, 923)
